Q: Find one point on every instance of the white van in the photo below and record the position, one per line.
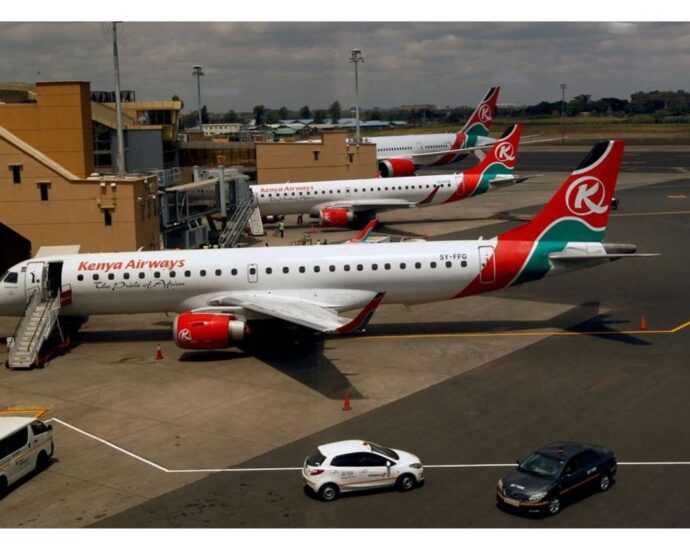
(26, 444)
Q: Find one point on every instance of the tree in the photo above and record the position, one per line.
(177, 98)
(335, 111)
(305, 112)
(230, 116)
(283, 112)
(320, 115)
(259, 114)
(204, 115)
(272, 117)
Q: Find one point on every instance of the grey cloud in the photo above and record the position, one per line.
(292, 64)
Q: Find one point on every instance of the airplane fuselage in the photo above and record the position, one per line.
(337, 276)
(311, 197)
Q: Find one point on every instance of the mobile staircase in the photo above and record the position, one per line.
(238, 222)
(35, 328)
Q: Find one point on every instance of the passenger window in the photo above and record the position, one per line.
(157, 274)
(79, 277)
(95, 276)
(125, 276)
(187, 273)
(302, 269)
(218, 272)
(349, 460)
(233, 271)
(418, 265)
(14, 442)
(331, 268)
(111, 276)
(403, 265)
(433, 265)
(360, 267)
(449, 264)
(286, 270)
(374, 267)
(202, 273)
(386, 266)
(317, 269)
(141, 275)
(372, 460)
(463, 263)
(346, 267)
(269, 270)
(252, 271)
(172, 274)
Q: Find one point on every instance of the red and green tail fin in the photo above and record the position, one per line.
(479, 123)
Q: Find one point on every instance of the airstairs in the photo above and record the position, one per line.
(34, 329)
(238, 222)
(256, 226)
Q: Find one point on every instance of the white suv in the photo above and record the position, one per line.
(355, 465)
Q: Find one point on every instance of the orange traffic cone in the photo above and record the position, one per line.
(643, 323)
(346, 402)
(159, 353)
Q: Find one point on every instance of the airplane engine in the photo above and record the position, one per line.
(269, 219)
(336, 217)
(396, 167)
(208, 330)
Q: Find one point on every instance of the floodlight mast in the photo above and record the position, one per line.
(356, 57)
(198, 72)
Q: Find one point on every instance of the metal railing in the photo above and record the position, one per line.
(237, 223)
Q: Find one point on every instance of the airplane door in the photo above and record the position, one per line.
(253, 273)
(487, 264)
(36, 275)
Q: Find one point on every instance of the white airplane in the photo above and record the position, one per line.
(403, 155)
(220, 293)
(343, 202)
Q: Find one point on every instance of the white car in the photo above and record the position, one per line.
(355, 465)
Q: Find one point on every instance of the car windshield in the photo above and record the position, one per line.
(541, 465)
(385, 451)
(316, 459)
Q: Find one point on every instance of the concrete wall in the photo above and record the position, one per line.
(143, 150)
(331, 159)
(59, 124)
(73, 213)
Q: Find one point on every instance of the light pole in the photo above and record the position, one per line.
(355, 58)
(198, 73)
(120, 160)
(563, 114)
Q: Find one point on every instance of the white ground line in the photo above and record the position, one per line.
(219, 470)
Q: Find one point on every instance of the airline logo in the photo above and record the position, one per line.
(131, 264)
(484, 113)
(185, 335)
(505, 152)
(585, 196)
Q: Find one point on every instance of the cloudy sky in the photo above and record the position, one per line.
(294, 64)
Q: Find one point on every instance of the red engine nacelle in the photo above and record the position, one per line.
(207, 330)
(336, 217)
(270, 219)
(396, 167)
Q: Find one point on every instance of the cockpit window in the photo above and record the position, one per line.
(11, 278)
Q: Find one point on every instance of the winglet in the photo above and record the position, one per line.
(363, 235)
(363, 317)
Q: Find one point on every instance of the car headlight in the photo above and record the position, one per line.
(536, 497)
(416, 466)
(500, 484)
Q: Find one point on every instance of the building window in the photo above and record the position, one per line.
(16, 173)
(107, 217)
(43, 187)
(316, 155)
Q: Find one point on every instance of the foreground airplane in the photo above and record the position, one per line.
(340, 203)
(219, 293)
(403, 155)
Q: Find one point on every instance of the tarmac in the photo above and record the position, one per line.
(214, 439)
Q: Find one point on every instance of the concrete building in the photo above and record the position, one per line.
(48, 195)
(330, 158)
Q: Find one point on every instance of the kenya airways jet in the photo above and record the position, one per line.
(402, 155)
(340, 203)
(220, 293)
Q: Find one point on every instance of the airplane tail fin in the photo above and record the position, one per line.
(579, 210)
(501, 158)
(479, 123)
(363, 235)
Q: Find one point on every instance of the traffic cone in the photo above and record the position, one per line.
(159, 353)
(643, 323)
(346, 402)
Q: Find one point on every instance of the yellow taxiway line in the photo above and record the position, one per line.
(532, 334)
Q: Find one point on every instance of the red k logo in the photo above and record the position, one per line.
(586, 195)
(484, 113)
(505, 152)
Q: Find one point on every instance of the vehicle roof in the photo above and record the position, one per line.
(565, 449)
(347, 446)
(9, 424)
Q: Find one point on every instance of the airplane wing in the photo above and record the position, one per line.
(366, 205)
(301, 312)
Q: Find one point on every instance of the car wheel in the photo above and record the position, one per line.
(604, 482)
(42, 461)
(554, 506)
(329, 492)
(406, 482)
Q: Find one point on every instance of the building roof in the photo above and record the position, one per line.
(10, 424)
